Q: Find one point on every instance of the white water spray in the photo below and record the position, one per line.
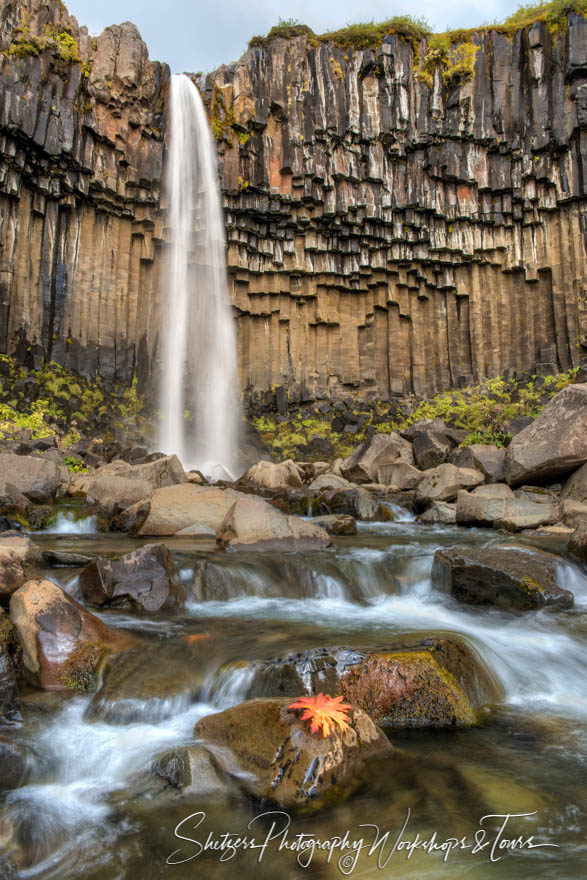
(199, 404)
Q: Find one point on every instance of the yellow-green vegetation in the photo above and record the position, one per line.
(554, 14)
(79, 670)
(75, 464)
(54, 401)
(55, 37)
(454, 54)
(482, 410)
(354, 36)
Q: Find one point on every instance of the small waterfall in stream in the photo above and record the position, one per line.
(198, 396)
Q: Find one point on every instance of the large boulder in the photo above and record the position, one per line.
(368, 463)
(488, 459)
(143, 580)
(164, 471)
(273, 755)
(18, 559)
(62, 643)
(337, 524)
(554, 444)
(328, 481)
(578, 542)
(484, 504)
(443, 482)
(188, 509)
(252, 523)
(269, 475)
(515, 580)
(194, 772)
(35, 477)
(357, 502)
(430, 449)
(521, 514)
(439, 513)
(438, 682)
(575, 488)
(112, 494)
(402, 476)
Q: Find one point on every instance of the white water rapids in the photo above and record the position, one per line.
(199, 385)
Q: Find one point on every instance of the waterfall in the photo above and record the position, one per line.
(199, 387)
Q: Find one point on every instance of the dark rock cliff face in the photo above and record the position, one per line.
(385, 236)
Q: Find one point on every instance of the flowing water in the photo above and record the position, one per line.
(88, 809)
(197, 400)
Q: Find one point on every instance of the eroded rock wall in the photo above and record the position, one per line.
(81, 152)
(386, 237)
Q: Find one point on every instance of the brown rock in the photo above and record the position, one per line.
(53, 628)
(268, 475)
(488, 459)
(337, 524)
(554, 444)
(362, 465)
(439, 512)
(430, 449)
(175, 508)
(484, 504)
(143, 580)
(254, 524)
(34, 477)
(578, 542)
(401, 476)
(443, 483)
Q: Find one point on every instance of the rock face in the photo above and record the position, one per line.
(435, 683)
(54, 629)
(144, 580)
(274, 757)
(339, 284)
(554, 444)
(514, 580)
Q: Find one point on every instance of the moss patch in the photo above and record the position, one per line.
(79, 672)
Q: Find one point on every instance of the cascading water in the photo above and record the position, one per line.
(198, 403)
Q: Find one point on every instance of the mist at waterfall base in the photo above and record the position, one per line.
(198, 391)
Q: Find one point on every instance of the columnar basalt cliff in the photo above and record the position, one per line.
(81, 150)
(388, 232)
(391, 235)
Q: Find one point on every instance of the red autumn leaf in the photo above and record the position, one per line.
(324, 712)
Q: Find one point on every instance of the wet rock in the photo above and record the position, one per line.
(401, 476)
(443, 483)
(144, 580)
(268, 475)
(36, 478)
(9, 697)
(59, 637)
(358, 502)
(148, 685)
(554, 444)
(175, 508)
(194, 772)
(254, 524)
(341, 524)
(133, 518)
(578, 542)
(18, 559)
(366, 464)
(64, 559)
(515, 580)
(437, 682)
(440, 512)
(12, 764)
(271, 753)
(488, 459)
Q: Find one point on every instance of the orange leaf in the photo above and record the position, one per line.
(324, 712)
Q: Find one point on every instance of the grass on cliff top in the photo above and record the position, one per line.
(483, 411)
(412, 29)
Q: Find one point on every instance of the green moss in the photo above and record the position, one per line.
(55, 37)
(454, 54)
(79, 671)
(75, 465)
(285, 29)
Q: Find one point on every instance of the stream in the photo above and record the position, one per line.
(85, 811)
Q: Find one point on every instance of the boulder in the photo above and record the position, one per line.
(578, 542)
(164, 471)
(269, 475)
(32, 476)
(337, 524)
(437, 682)
(435, 426)
(439, 512)
(573, 513)
(252, 523)
(64, 559)
(554, 444)
(176, 508)
(520, 514)
(443, 483)
(10, 496)
(364, 464)
(328, 481)
(60, 640)
(193, 771)
(357, 502)
(12, 765)
(575, 488)
(430, 449)
(272, 754)
(143, 580)
(112, 493)
(18, 558)
(484, 504)
(515, 580)
(488, 459)
(401, 476)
